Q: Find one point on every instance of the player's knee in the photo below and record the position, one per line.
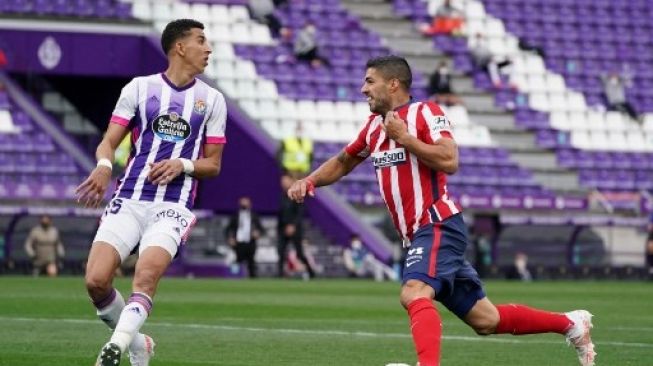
(97, 286)
(414, 289)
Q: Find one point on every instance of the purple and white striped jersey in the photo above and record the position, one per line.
(167, 122)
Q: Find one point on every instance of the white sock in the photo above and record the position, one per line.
(132, 318)
(110, 314)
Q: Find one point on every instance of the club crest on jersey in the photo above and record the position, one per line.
(200, 107)
(171, 127)
(438, 123)
(388, 158)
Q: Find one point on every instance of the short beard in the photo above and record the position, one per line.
(381, 109)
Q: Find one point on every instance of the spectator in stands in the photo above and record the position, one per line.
(290, 228)
(614, 87)
(306, 47)
(263, 11)
(44, 247)
(484, 60)
(439, 87)
(361, 263)
(296, 153)
(527, 45)
(519, 270)
(447, 20)
(242, 232)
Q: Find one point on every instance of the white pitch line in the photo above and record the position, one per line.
(325, 332)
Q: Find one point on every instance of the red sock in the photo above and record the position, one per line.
(520, 319)
(426, 327)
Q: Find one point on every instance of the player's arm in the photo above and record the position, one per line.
(441, 155)
(92, 190)
(329, 172)
(164, 171)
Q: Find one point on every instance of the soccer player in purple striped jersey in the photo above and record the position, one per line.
(177, 124)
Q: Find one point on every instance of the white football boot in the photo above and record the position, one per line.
(579, 336)
(141, 357)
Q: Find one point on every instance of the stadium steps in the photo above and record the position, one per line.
(401, 35)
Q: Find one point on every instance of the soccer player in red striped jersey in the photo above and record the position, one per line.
(413, 150)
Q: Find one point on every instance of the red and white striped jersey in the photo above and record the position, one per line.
(414, 193)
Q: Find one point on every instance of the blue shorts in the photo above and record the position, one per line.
(436, 257)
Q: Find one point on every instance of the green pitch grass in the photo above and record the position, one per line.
(269, 322)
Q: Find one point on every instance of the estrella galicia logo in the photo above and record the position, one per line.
(171, 127)
(384, 159)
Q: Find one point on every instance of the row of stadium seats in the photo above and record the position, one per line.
(548, 92)
(31, 164)
(626, 40)
(110, 9)
(612, 140)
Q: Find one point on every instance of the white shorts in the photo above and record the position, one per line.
(126, 223)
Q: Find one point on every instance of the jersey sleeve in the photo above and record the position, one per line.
(359, 146)
(127, 104)
(217, 122)
(435, 124)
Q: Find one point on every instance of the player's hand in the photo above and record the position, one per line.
(394, 127)
(300, 188)
(164, 171)
(91, 192)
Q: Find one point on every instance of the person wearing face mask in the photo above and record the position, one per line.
(305, 47)
(242, 232)
(614, 88)
(290, 229)
(439, 87)
(361, 263)
(43, 245)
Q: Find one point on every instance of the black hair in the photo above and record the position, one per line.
(175, 30)
(393, 67)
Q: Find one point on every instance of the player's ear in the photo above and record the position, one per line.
(180, 49)
(394, 84)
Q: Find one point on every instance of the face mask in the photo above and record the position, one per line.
(356, 244)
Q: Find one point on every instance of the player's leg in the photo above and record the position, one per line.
(117, 236)
(151, 265)
(425, 323)
(103, 260)
(426, 273)
(469, 303)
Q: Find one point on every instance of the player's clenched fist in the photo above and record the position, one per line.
(394, 126)
(297, 192)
